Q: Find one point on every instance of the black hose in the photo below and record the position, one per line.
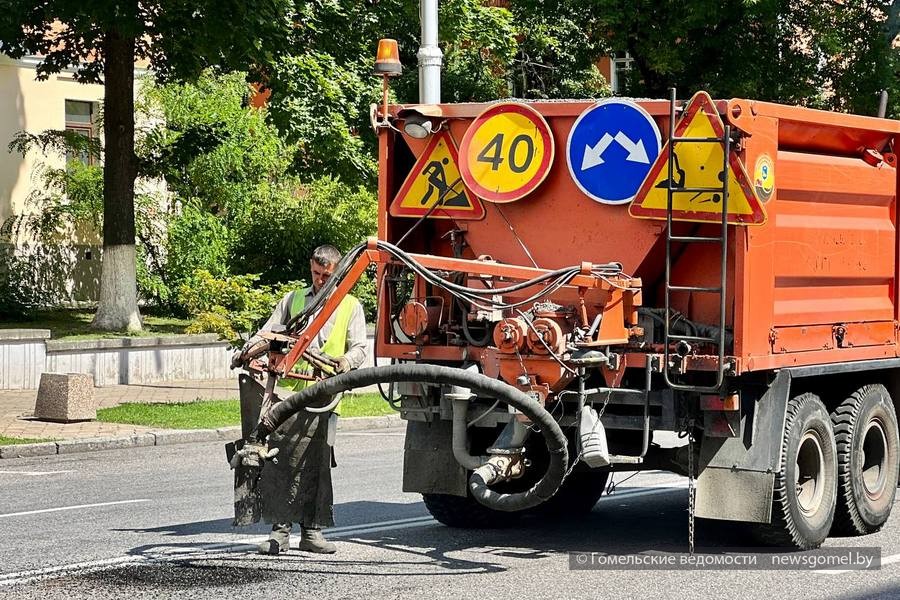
(321, 393)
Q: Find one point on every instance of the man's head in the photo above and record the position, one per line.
(322, 263)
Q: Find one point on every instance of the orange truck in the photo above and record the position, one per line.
(560, 281)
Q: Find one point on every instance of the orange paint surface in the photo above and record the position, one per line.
(826, 258)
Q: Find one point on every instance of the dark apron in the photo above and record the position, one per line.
(298, 488)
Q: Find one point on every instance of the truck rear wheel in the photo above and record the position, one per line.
(576, 496)
(465, 512)
(865, 430)
(805, 491)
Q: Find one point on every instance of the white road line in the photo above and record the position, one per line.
(365, 530)
(26, 576)
(369, 433)
(379, 526)
(886, 560)
(34, 473)
(247, 543)
(76, 507)
(631, 493)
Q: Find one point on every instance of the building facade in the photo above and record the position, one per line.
(69, 272)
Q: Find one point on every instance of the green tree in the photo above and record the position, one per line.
(857, 54)
(101, 40)
(322, 89)
(235, 208)
(558, 48)
(826, 54)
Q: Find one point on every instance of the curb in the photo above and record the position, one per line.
(168, 437)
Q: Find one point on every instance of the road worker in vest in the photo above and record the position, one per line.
(297, 489)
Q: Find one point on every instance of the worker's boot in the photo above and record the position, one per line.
(312, 540)
(278, 541)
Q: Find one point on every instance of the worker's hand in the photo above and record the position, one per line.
(342, 366)
(237, 359)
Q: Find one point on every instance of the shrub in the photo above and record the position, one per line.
(18, 293)
(281, 231)
(231, 305)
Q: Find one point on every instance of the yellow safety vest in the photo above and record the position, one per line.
(335, 345)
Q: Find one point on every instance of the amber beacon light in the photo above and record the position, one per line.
(387, 64)
(387, 61)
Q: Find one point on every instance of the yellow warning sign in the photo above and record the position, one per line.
(434, 187)
(697, 174)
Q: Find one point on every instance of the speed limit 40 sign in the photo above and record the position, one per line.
(506, 152)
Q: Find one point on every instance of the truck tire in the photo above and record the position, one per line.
(577, 496)
(465, 512)
(805, 490)
(865, 430)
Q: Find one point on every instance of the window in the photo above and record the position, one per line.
(621, 65)
(80, 119)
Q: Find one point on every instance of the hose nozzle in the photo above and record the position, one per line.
(502, 467)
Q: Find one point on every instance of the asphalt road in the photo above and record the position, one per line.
(155, 523)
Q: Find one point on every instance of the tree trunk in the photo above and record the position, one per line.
(118, 309)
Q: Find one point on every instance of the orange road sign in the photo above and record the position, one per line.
(506, 152)
(698, 165)
(434, 186)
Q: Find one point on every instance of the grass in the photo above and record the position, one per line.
(9, 441)
(180, 415)
(365, 405)
(72, 324)
(211, 414)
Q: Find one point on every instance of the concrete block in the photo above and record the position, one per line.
(25, 450)
(66, 397)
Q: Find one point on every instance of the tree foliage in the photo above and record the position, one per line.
(209, 146)
(321, 90)
(100, 41)
(834, 55)
(177, 39)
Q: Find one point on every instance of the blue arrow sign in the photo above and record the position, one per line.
(612, 146)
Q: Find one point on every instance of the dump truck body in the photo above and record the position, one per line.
(815, 284)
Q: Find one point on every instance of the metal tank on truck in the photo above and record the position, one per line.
(559, 280)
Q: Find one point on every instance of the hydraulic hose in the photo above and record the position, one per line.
(321, 393)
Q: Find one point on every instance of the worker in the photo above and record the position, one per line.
(297, 488)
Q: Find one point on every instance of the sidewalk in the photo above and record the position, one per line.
(17, 406)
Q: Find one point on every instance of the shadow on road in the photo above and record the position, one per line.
(616, 526)
(358, 513)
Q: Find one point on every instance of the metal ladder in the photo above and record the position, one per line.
(721, 240)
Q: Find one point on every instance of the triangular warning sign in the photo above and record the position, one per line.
(698, 166)
(434, 186)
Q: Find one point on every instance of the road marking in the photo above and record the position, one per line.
(370, 433)
(34, 473)
(632, 492)
(378, 524)
(375, 529)
(76, 507)
(396, 524)
(887, 560)
(248, 543)
(26, 576)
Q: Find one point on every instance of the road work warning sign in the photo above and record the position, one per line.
(434, 186)
(697, 175)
